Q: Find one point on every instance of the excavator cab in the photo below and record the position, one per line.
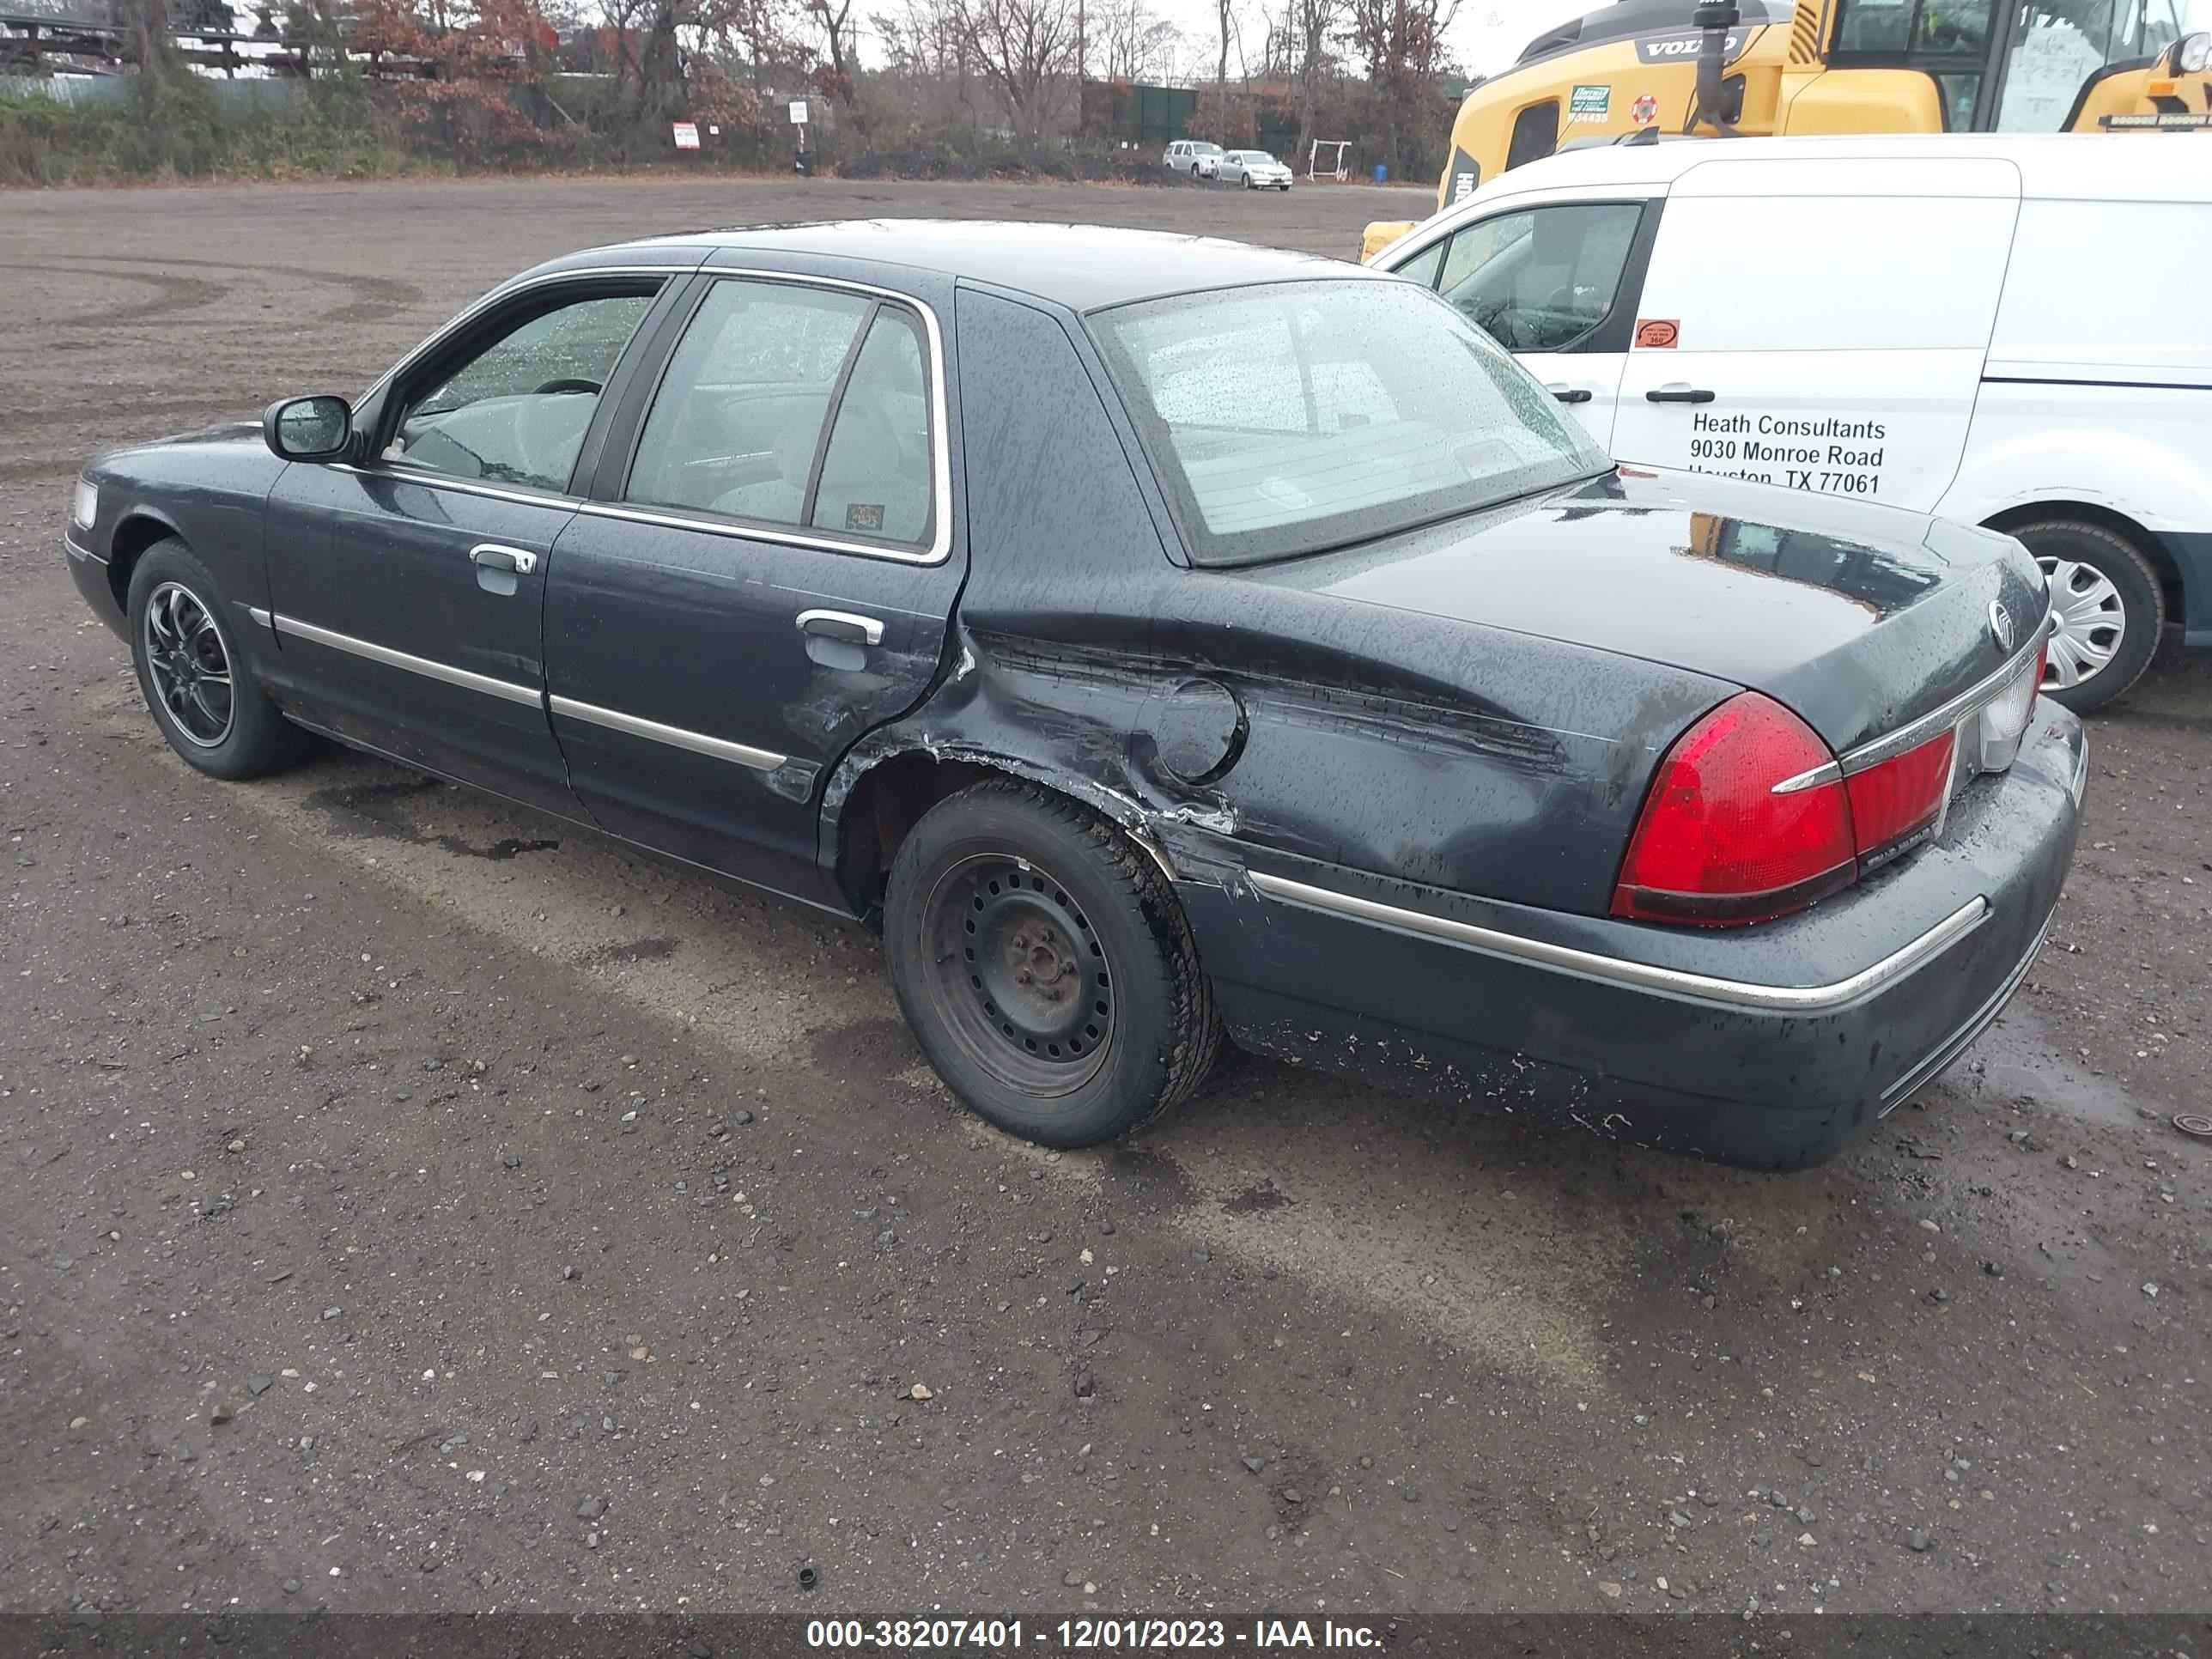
(1768, 67)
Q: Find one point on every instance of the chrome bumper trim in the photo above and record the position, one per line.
(463, 678)
(70, 546)
(1640, 976)
(760, 760)
(1912, 736)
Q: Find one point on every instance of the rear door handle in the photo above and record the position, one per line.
(1678, 393)
(842, 625)
(1569, 394)
(491, 556)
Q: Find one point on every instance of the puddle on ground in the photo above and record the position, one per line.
(2021, 1061)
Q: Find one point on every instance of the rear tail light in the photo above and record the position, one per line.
(1895, 801)
(1718, 843)
(1750, 817)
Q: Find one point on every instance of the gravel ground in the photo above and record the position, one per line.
(409, 1204)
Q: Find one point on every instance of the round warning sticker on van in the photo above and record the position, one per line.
(1658, 333)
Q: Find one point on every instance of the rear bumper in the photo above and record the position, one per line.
(1772, 1047)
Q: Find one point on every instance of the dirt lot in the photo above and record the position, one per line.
(408, 1205)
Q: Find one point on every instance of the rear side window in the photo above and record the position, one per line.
(1292, 417)
(797, 406)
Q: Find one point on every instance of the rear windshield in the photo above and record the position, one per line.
(1299, 416)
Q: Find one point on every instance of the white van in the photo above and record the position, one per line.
(2012, 330)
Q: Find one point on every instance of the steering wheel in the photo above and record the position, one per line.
(568, 383)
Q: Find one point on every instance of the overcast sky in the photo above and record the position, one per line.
(1486, 36)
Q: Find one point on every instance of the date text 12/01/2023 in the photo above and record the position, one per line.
(1827, 454)
(1084, 1635)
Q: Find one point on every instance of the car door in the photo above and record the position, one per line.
(766, 570)
(407, 592)
(1556, 283)
(1820, 324)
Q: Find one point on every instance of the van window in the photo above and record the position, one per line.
(1874, 272)
(1540, 280)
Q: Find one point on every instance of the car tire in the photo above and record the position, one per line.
(2110, 606)
(197, 684)
(1045, 967)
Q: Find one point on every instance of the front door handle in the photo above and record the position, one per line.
(1677, 392)
(1569, 394)
(842, 625)
(491, 556)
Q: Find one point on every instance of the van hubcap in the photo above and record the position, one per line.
(190, 669)
(2090, 622)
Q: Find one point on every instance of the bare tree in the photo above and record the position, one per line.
(1311, 24)
(1402, 41)
(1025, 50)
(1221, 72)
(1134, 42)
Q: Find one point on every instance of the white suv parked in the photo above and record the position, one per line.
(2009, 329)
(1189, 155)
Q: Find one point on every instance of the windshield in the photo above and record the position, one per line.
(1259, 158)
(1299, 416)
(1205, 149)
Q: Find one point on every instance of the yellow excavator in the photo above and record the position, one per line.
(1763, 67)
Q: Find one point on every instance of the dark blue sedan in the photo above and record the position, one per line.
(1156, 640)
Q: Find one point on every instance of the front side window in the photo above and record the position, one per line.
(1540, 280)
(790, 405)
(1299, 416)
(516, 410)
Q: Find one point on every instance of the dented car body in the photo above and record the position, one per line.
(1381, 724)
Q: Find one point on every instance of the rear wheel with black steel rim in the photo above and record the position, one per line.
(2107, 610)
(1045, 967)
(202, 693)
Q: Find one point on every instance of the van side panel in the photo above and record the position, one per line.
(2108, 291)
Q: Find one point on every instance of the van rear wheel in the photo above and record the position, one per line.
(2107, 606)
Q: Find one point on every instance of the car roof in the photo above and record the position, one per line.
(2116, 166)
(1084, 267)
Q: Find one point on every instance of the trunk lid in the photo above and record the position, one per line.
(1861, 618)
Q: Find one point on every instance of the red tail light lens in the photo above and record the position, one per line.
(1717, 844)
(1895, 800)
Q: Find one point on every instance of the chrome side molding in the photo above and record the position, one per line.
(371, 651)
(1641, 975)
(677, 737)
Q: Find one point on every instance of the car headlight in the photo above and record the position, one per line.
(2192, 52)
(85, 509)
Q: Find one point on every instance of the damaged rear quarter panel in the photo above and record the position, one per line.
(1087, 657)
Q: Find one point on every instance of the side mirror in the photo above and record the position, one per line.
(309, 428)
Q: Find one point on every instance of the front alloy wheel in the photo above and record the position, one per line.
(199, 685)
(189, 665)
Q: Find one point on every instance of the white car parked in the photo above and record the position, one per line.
(2008, 330)
(1190, 156)
(1253, 169)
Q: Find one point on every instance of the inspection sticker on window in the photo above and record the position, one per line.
(1658, 333)
(865, 516)
(1590, 103)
